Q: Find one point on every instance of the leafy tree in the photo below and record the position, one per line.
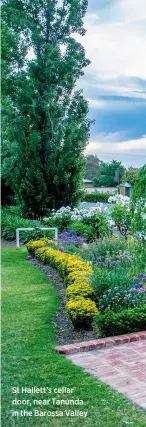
(130, 175)
(109, 174)
(50, 127)
(92, 166)
(139, 190)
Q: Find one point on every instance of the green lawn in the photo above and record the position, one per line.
(29, 304)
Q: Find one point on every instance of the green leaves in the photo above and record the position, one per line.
(51, 125)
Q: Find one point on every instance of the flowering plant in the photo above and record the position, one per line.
(71, 238)
(118, 199)
(81, 311)
(80, 307)
(117, 299)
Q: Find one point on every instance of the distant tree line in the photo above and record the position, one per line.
(108, 174)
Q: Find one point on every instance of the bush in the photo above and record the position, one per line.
(61, 221)
(121, 215)
(84, 230)
(73, 271)
(99, 223)
(126, 321)
(32, 246)
(10, 221)
(80, 289)
(96, 197)
(81, 312)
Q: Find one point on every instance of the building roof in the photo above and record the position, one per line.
(127, 185)
(86, 181)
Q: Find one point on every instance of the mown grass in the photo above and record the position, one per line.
(29, 358)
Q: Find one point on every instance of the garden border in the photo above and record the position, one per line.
(101, 343)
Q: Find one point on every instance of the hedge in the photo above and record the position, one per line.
(80, 306)
(96, 197)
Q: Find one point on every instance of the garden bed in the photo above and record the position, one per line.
(99, 288)
(65, 332)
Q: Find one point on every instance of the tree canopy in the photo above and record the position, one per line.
(92, 166)
(110, 174)
(139, 190)
(45, 118)
(130, 175)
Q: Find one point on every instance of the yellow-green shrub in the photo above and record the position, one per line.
(40, 253)
(80, 289)
(33, 245)
(76, 273)
(81, 311)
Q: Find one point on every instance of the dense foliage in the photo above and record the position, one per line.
(110, 174)
(80, 305)
(11, 220)
(96, 197)
(130, 175)
(111, 323)
(45, 124)
(93, 223)
(139, 190)
(107, 281)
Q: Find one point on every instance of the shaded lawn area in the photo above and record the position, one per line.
(29, 304)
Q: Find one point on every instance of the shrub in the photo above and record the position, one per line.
(99, 223)
(84, 230)
(81, 276)
(96, 197)
(131, 320)
(121, 215)
(10, 221)
(80, 289)
(32, 246)
(60, 219)
(72, 270)
(81, 311)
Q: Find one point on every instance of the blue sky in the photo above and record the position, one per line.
(115, 81)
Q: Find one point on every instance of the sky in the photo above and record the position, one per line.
(115, 81)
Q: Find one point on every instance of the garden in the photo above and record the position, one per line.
(103, 270)
(90, 284)
(104, 276)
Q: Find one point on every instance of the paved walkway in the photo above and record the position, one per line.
(122, 367)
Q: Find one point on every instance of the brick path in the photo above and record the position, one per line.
(122, 367)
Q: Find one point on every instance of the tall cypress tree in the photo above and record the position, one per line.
(51, 125)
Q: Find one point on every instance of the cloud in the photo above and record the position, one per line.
(116, 46)
(133, 10)
(110, 146)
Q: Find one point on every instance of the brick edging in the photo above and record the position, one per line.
(100, 343)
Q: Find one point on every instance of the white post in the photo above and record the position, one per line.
(56, 235)
(17, 238)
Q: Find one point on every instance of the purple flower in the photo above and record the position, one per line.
(71, 238)
(138, 286)
(61, 249)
